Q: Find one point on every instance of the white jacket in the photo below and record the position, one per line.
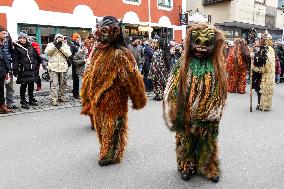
(57, 62)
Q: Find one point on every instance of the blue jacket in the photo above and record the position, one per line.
(5, 62)
(148, 53)
(8, 50)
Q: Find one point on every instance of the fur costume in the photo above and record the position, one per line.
(159, 70)
(194, 100)
(264, 74)
(109, 80)
(238, 62)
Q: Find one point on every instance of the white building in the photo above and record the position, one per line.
(236, 17)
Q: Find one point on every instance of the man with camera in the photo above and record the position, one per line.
(58, 53)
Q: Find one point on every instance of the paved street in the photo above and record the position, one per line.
(57, 149)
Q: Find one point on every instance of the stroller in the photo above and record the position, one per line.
(45, 75)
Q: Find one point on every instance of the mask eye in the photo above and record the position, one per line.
(206, 42)
(197, 41)
(105, 31)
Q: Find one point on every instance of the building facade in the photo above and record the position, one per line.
(44, 19)
(236, 17)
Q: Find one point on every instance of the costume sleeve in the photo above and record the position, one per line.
(269, 66)
(133, 82)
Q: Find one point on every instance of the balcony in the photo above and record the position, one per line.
(209, 2)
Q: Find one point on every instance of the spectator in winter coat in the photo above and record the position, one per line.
(8, 50)
(75, 45)
(36, 46)
(136, 50)
(173, 57)
(277, 69)
(25, 67)
(280, 53)
(5, 68)
(57, 52)
(80, 60)
(148, 54)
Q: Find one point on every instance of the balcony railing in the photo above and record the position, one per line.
(208, 2)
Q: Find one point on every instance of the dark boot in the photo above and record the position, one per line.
(157, 98)
(24, 104)
(33, 102)
(186, 176)
(33, 99)
(105, 162)
(215, 179)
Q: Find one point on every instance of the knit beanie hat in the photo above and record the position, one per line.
(75, 36)
(23, 35)
(58, 35)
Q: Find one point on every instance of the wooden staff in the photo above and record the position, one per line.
(251, 64)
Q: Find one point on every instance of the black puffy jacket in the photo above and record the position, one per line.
(4, 63)
(26, 62)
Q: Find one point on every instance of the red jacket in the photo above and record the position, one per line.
(277, 66)
(36, 46)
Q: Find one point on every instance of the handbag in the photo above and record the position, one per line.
(68, 59)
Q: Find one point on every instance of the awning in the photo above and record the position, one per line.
(242, 25)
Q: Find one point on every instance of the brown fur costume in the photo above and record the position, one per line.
(109, 80)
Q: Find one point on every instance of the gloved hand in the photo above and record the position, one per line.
(58, 44)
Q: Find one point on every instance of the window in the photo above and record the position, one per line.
(132, 2)
(165, 3)
(46, 34)
(281, 4)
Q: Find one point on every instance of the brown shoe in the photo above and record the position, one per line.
(5, 110)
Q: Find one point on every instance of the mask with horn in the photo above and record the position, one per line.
(202, 42)
(107, 31)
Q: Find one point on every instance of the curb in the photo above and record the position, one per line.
(40, 110)
(41, 93)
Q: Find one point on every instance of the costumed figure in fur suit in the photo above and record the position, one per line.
(194, 100)
(238, 62)
(264, 73)
(111, 78)
(159, 70)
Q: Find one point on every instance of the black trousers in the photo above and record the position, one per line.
(147, 82)
(258, 97)
(23, 90)
(75, 78)
(2, 84)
